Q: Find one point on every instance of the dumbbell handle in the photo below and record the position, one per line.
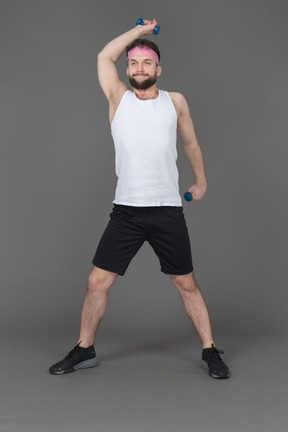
(188, 196)
(141, 22)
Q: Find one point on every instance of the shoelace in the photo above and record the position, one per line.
(75, 349)
(215, 354)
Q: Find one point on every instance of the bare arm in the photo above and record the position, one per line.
(191, 146)
(108, 76)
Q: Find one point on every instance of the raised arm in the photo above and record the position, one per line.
(191, 146)
(108, 76)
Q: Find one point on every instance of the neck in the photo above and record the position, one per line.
(150, 93)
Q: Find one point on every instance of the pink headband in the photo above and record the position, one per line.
(144, 50)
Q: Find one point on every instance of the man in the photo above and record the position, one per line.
(147, 204)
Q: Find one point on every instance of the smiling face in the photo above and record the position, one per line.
(142, 71)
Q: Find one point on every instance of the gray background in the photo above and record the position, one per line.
(57, 181)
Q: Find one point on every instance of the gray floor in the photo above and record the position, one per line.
(142, 386)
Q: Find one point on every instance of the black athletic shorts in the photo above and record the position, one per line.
(129, 227)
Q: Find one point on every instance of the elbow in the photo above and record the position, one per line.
(101, 58)
(100, 55)
(104, 56)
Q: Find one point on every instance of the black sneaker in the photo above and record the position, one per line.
(212, 362)
(78, 358)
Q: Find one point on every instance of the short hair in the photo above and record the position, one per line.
(143, 43)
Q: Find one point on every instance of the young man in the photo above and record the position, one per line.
(147, 204)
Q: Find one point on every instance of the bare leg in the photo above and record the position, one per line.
(195, 306)
(94, 305)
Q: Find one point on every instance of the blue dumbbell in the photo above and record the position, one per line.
(156, 28)
(188, 196)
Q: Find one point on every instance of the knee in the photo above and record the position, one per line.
(100, 280)
(184, 282)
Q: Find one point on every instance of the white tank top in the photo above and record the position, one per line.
(145, 135)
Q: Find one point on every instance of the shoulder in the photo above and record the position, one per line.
(179, 102)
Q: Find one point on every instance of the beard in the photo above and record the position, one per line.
(143, 85)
